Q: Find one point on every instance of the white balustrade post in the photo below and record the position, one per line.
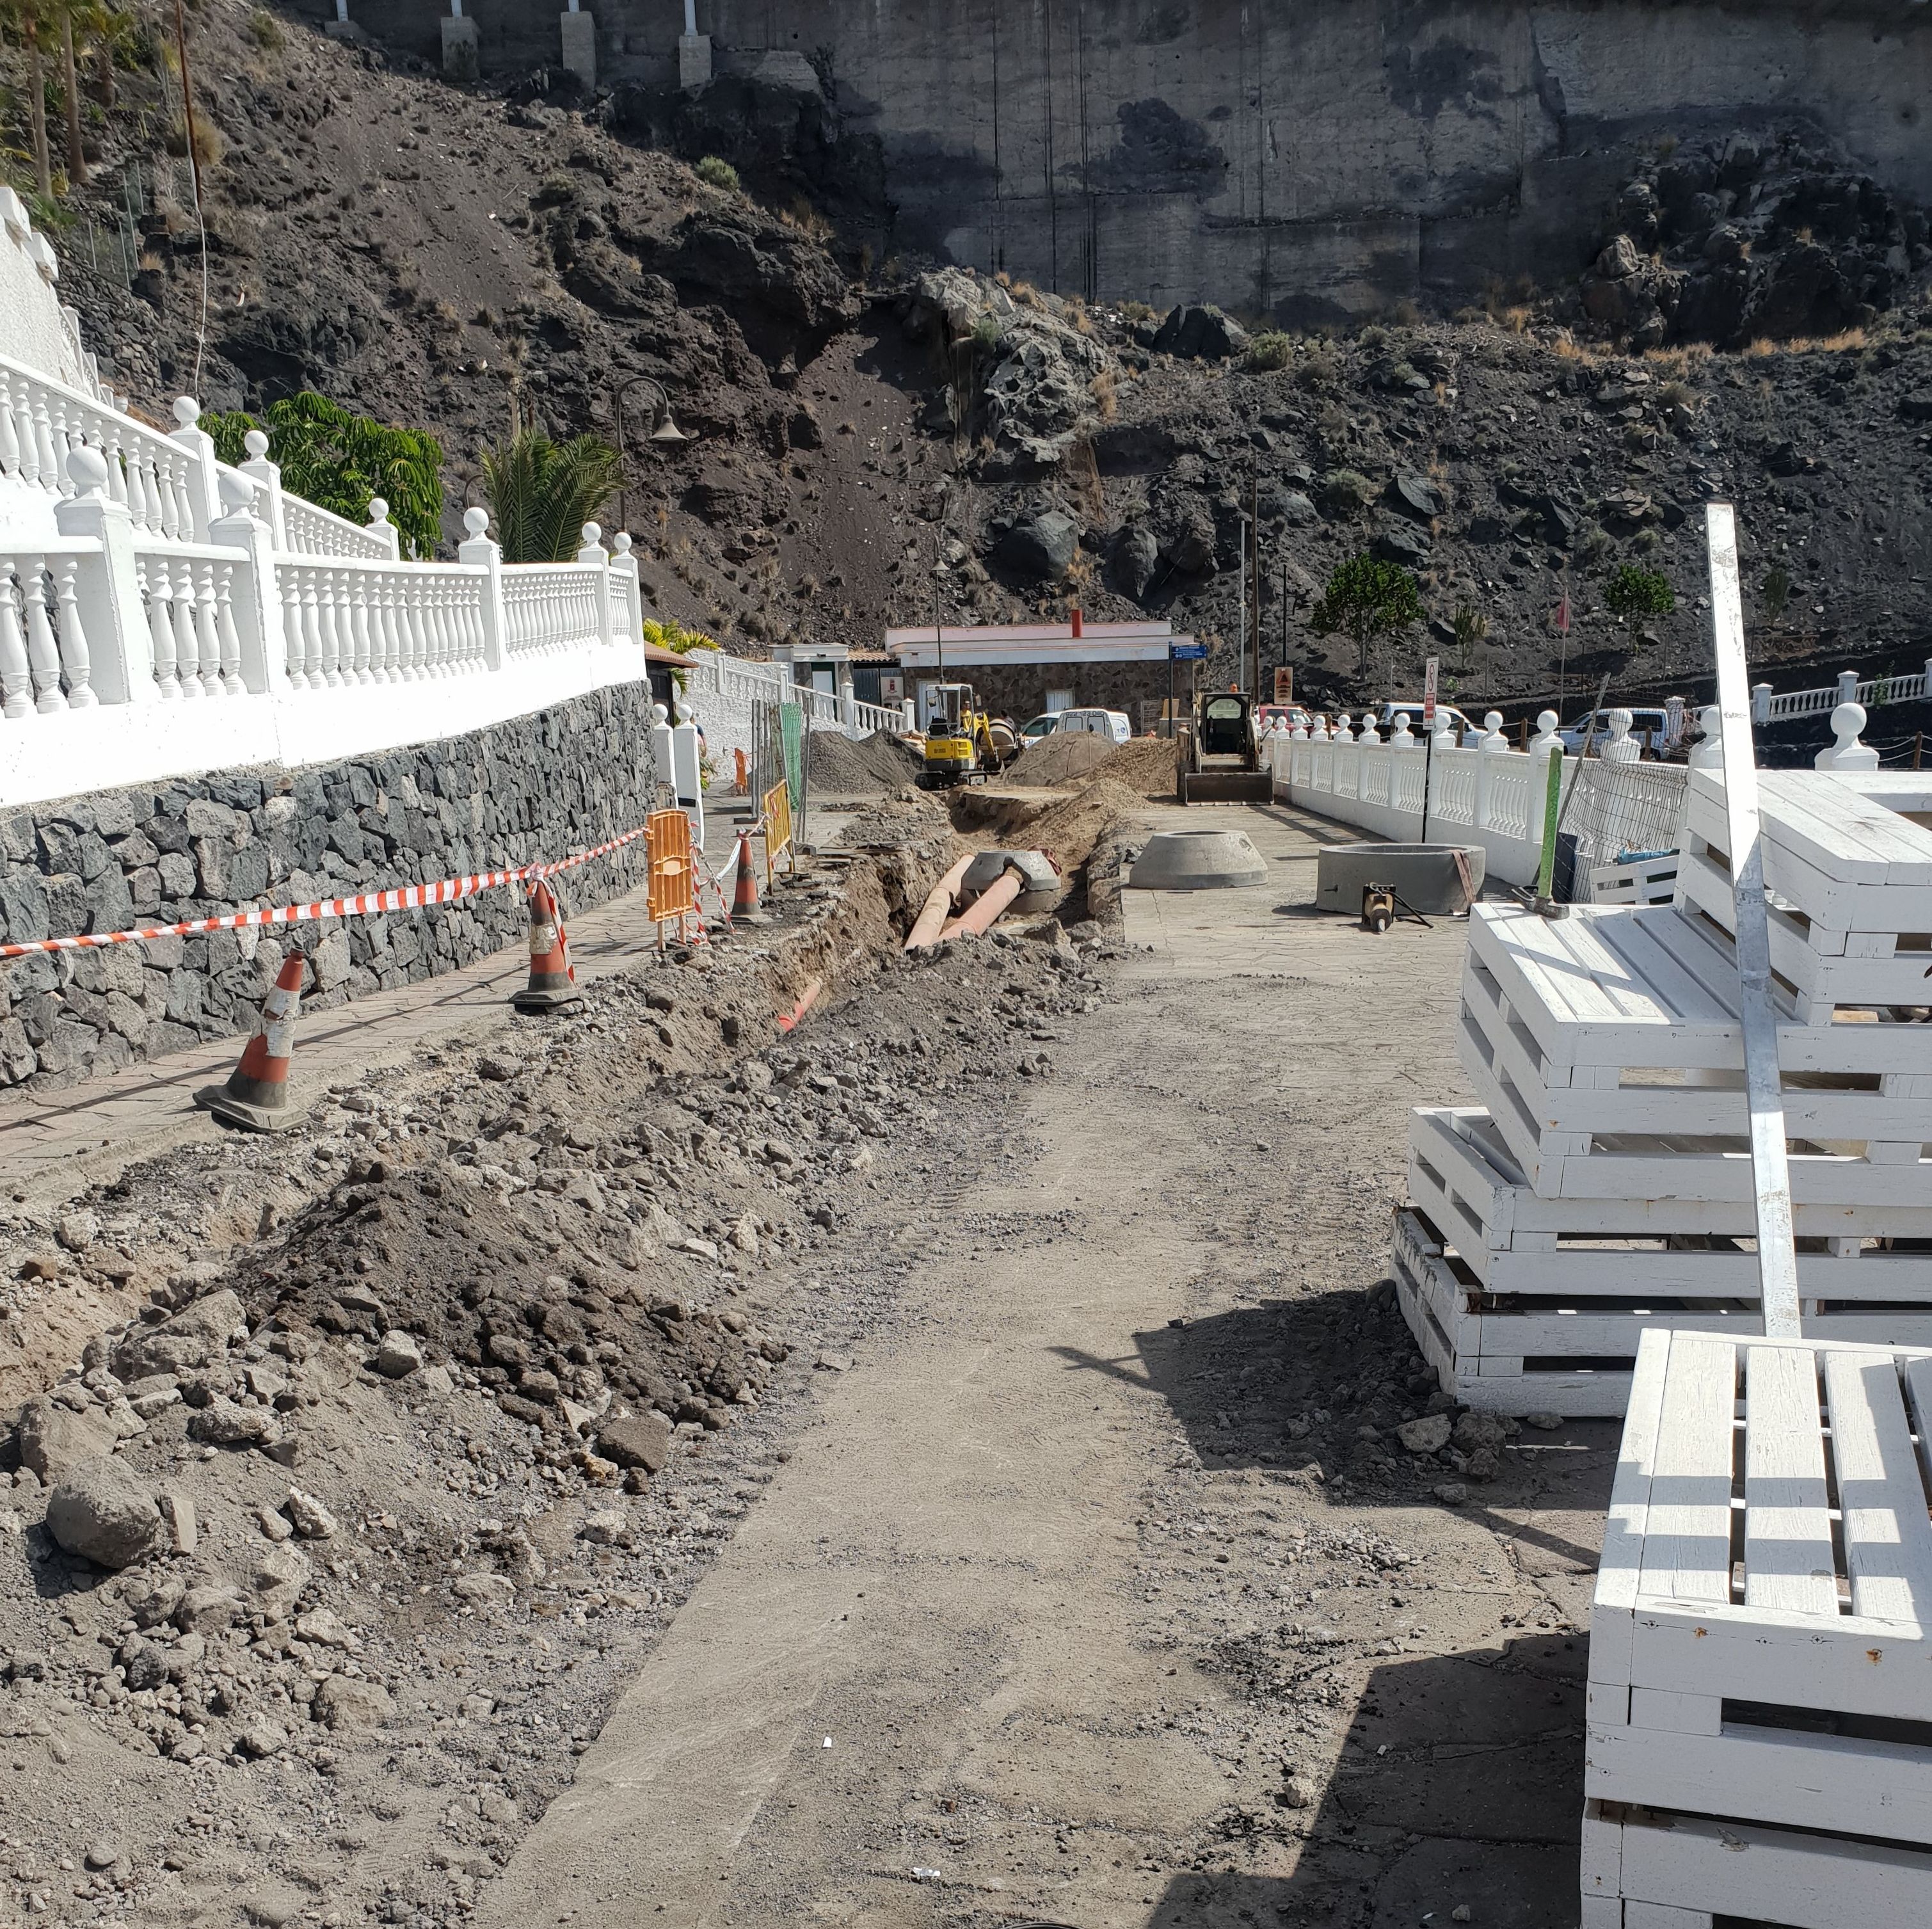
(624, 571)
(202, 501)
(268, 475)
(107, 589)
(256, 597)
(1620, 747)
(1708, 752)
(593, 552)
(1848, 753)
(1760, 703)
(383, 530)
(1545, 740)
(1493, 740)
(848, 708)
(482, 548)
(1848, 687)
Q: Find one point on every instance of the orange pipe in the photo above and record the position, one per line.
(932, 919)
(805, 1002)
(986, 907)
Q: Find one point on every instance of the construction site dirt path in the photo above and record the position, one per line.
(1103, 1592)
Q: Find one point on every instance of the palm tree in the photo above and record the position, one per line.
(542, 493)
(86, 16)
(27, 20)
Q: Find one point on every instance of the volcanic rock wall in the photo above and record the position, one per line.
(539, 786)
(1318, 160)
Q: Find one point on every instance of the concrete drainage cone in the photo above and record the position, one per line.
(256, 1095)
(744, 886)
(553, 985)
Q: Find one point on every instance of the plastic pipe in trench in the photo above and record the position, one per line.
(932, 919)
(977, 919)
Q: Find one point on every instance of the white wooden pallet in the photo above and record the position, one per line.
(1841, 858)
(1760, 1679)
(1573, 1354)
(1819, 969)
(1636, 880)
(1607, 1047)
(1738, 1872)
(1480, 1205)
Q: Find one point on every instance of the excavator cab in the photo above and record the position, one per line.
(1227, 729)
(957, 741)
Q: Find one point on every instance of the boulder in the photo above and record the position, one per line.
(1418, 497)
(1408, 547)
(636, 1440)
(1618, 258)
(398, 1356)
(343, 1701)
(1042, 547)
(1429, 1434)
(1297, 511)
(100, 1511)
(52, 1439)
(1199, 332)
(224, 1424)
(193, 1337)
(279, 1577)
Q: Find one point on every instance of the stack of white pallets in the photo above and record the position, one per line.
(1760, 1686)
(1605, 1186)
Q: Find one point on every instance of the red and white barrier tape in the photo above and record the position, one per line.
(406, 898)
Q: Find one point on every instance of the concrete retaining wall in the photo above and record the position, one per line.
(540, 786)
(1311, 161)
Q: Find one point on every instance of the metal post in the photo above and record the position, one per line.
(1777, 1259)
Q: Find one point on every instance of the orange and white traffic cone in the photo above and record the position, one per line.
(745, 886)
(256, 1095)
(553, 983)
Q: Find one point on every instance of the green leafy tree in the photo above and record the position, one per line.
(338, 461)
(542, 493)
(1367, 599)
(1635, 592)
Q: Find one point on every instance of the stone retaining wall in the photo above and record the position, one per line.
(538, 787)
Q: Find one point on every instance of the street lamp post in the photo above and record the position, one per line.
(663, 430)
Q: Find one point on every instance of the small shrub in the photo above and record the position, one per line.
(1320, 369)
(265, 31)
(1677, 395)
(1776, 593)
(1348, 489)
(1269, 350)
(1365, 599)
(1635, 592)
(987, 333)
(1138, 311)
(716, 172)
(1406, 314)
(1374, 336)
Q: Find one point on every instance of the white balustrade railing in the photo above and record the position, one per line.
(1481, 793)
(308, 530)
(347, 623)
(45, 665)
(189, 592)
(1777, 706)
(550, 606)
(156, 477)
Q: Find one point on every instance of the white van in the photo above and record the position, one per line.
(1112, 725)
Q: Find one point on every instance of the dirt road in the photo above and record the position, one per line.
(1099, 1588)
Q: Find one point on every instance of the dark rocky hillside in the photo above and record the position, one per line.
(872, 443)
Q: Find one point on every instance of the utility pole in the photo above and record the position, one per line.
(1241, 619)
(1255, 523)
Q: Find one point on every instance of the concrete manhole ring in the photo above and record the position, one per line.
(1197, 860)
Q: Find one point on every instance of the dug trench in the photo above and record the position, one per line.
(424, 1435)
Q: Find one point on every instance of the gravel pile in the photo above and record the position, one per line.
(1066, 756)
(868, 768)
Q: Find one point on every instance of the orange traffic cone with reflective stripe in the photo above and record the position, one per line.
(256, 1095)
(745, 886)
(553, 983)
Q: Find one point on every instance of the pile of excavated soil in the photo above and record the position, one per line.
(1068, 832)
(443, 1400)
(1066, 756)
(869, 768)
(1145, 765)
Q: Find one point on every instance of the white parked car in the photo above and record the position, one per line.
(1657, 722)
(1113, 724)
(1460, 728)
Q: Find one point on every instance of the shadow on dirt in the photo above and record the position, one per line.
(1461, 1786)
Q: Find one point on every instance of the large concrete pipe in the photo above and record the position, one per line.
(932, 919)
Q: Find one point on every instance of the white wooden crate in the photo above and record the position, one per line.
(1608, 1048)
(1842, 859)
(1636, 880)
(1760, 1677)
(1480, 1205)
(1551, 1352)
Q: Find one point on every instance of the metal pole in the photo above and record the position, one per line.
(1776, 1259)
